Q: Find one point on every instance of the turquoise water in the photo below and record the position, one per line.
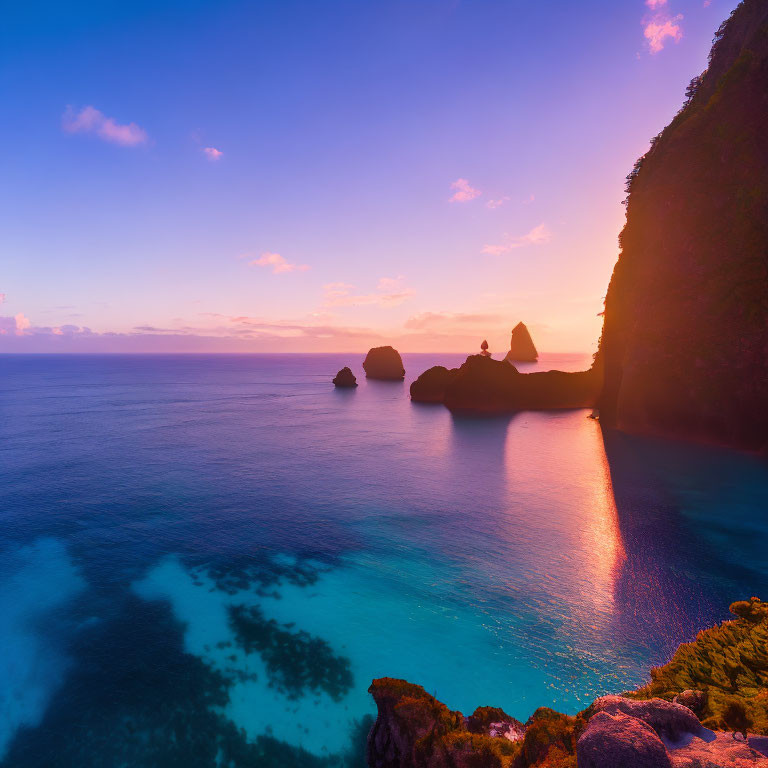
(205, 560)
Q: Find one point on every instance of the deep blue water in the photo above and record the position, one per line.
(206, 559)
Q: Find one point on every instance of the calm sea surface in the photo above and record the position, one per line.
(204, 560)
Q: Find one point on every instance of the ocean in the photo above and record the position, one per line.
(205, 560)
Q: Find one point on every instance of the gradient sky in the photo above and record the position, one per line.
(200, 175)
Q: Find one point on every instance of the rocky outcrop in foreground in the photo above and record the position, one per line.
(685, 335)
(521, 348)
(345, 378)
(384, 363)
(485, 385)
(726, 667)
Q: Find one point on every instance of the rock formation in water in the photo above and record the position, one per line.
(685, 335)
(345, 378)
(431, 385)
(384, 363)
(521, 348)
(485, 385)
(723, 673)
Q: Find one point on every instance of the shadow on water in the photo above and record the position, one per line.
(384, 385)
(675, 504)
(344, 392)
(479, 431)
(478, 444)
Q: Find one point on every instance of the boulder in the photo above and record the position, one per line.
(620, 741)
(723, 751)
(345, 378)
(674, 723)
(384, 363)
(521, 348)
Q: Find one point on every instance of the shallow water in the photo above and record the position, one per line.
(205, 560)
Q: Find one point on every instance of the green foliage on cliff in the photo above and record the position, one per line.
(550, 740)
(730, 664)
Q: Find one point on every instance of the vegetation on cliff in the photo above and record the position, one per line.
(724, 672)
(729, 664)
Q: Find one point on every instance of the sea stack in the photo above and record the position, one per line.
(521, 348)
(384, 363)
(345, 378)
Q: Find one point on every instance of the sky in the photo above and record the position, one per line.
(325, 175)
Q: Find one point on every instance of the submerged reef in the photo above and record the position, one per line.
(296, 662)
(706, 708)
(685, 334)
(494, 386)
(135, 697)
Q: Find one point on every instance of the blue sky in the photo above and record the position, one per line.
(426, 172)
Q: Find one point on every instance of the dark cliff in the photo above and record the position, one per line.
(685, 335)
(484, 385)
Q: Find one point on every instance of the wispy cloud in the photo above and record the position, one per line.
(463, 191)
(2, 298)
(212, 153)
(447, 321)
(390, 292)
(278, 263)
(660, 26)
(498, 202)
(658, 30)
(226, 333)
(91, 120)
(537, 236)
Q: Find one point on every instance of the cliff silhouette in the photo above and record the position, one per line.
(685, 335)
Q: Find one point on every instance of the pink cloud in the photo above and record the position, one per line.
(212, 153)
(537, 236)
(661, 27)
(654, 4)
(278, 263)
(498, 202)
(464, 192)
(390, 292)
(2, 298)
(91, 120)
(22, 323)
